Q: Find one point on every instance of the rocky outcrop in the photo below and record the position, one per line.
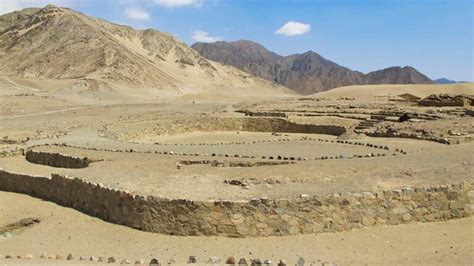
(255, 217)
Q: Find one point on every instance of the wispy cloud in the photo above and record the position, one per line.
(293, 28)
(137, 14)
(179, 3)
(202, 36)
(7, 6)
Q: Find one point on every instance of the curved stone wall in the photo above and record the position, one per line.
(256, 217)
(211, 124)
(56, 159)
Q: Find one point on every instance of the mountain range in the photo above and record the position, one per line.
(447, 81)
(60, 43)
(305, 73)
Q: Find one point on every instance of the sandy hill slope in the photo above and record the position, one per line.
(59, 43)
(305, 73)
(367, 92)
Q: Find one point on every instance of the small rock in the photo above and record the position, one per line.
(171, 261)
(256, 262)
(155, 262)
(267, 262)
(300, 262)
(29, 256)
(44, 255)
(139, 262)
(70, 256)
(51, 257)
(213, 260)
(6, 235)
(9, 256)
(230, 260)
(243, 262)
(82, 258)
(282, 263)
(125, 261)
(192, 259)
(94, 259)
(111, 260)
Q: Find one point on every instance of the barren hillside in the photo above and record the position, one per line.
(59, 43)
(305, 73)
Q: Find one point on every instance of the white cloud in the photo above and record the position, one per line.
(202, 36)
(137, 14)
(179, 3)
(293, 28)
(7, 6)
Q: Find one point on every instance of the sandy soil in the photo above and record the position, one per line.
(366, 92)
(157, 175)
(63, 231)
(42, 118)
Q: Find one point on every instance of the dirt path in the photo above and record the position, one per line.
(63, 230)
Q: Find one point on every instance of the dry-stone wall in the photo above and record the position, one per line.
(255, 217)
(56, 159)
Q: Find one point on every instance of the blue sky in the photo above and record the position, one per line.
(434, 36)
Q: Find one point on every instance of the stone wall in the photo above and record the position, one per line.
(285, 126)
(255, 217)
(56, 159)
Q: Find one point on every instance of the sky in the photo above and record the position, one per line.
(434, 36)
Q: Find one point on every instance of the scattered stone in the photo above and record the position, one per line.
(171, 261)
(155, 262)
(6, 234)
(192, 259)
(230, 260)
(243, 262)
(44, 255)
(256, 262)
(9, 256)
(82, 258)
(282, 263)
(51, 257)
(70, 256)
(111, 260)
(139, 262)
(267, 262)
(29, 256)
(213, 260)
(300, 262)
(94, 259)
(125, 261)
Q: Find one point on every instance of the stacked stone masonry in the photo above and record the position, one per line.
(248, 218)
(56, 159)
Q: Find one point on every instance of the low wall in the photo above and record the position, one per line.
(56, 159)
(256, 217)
(284, 126)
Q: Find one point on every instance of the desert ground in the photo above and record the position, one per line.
(194, 149)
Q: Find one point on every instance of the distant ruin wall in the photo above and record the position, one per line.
(284, 126)
(56, 159)
(256, 217)
(250, 124)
